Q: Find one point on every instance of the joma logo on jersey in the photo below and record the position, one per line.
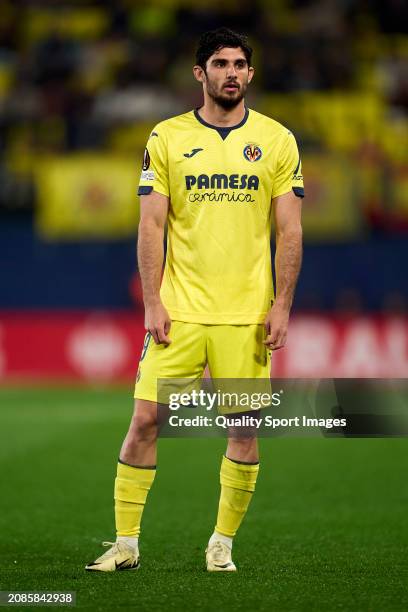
(222, 181)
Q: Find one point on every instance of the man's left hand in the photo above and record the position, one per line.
(276, 325)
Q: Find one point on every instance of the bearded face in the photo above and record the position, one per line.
(228, 93)
(227, 76)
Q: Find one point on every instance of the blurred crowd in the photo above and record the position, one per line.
(89, 75)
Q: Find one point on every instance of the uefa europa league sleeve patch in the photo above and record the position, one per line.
(146, 160)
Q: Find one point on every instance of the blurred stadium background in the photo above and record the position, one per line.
(81, 85)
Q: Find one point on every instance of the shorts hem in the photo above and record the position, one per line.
(145, 396)
(224, 319)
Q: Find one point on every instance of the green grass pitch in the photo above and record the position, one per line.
(327, 528)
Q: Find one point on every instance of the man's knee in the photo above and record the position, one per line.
(144, 421)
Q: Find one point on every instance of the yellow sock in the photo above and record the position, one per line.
(237, 486)
(132, 485)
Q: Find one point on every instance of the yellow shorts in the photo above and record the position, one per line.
(231, 351)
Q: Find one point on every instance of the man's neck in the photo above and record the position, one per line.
(220, 117)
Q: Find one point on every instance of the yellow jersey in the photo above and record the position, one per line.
(220, 182)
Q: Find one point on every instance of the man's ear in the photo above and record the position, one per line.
(251, 72)
(199, 74)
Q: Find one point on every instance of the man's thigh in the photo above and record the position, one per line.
(240, 367)
(184, 358)
(237, 351)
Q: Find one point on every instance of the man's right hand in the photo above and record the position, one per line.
(158, 323)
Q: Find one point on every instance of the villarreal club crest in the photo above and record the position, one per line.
(252, 152)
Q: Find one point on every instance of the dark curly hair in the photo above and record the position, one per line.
(213, 41)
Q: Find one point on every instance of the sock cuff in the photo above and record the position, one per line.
(135, 474)
(141, 467)
(238, 476)
(240, 465)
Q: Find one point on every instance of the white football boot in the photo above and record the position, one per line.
(119, 557)
(218, 557)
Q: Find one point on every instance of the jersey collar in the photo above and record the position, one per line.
(223, 131)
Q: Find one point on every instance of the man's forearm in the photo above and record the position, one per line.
(150, 253)
(288, 259)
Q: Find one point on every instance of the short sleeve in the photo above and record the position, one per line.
(289, 169)
(155, 174)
